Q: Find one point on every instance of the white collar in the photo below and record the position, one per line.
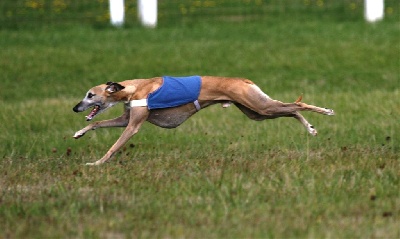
(138, 103)
(143, 102)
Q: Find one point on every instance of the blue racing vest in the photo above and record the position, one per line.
(175, 91)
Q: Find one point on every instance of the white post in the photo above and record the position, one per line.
(374, 10)
(117, 12)
(147, 11)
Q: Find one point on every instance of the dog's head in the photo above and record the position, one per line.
(100, 98)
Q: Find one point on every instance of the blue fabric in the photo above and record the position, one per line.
(175, 91)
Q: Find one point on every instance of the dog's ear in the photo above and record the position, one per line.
(114, 87)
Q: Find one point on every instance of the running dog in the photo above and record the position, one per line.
(169, 101)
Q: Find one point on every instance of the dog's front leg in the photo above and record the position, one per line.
(138, 116)
(121, 121)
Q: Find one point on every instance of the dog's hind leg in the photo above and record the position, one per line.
(252, 97)
(121, 121)
(275, 107)
(310, 128)
(138, 116)
(258, 117)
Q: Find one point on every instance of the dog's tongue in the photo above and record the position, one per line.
(92, 113)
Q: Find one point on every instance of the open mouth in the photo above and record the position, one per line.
(93, 113)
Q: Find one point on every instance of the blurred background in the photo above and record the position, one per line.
(19, 13)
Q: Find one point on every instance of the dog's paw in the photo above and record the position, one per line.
(329, 112)
(78, 134)
(98, 162)
(312, 130)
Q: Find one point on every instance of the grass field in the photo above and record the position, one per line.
(219, 175)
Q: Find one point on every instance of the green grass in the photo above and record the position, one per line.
(218, 175)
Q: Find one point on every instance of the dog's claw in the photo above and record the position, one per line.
(312, 130)
(329, 112)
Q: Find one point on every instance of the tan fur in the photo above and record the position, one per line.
(242, 92)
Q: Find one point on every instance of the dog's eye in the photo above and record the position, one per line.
(90, 95)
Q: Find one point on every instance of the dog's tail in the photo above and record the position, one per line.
(299, 99)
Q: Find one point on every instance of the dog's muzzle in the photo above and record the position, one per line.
(78, 108)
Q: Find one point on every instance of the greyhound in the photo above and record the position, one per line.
(206, 90)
